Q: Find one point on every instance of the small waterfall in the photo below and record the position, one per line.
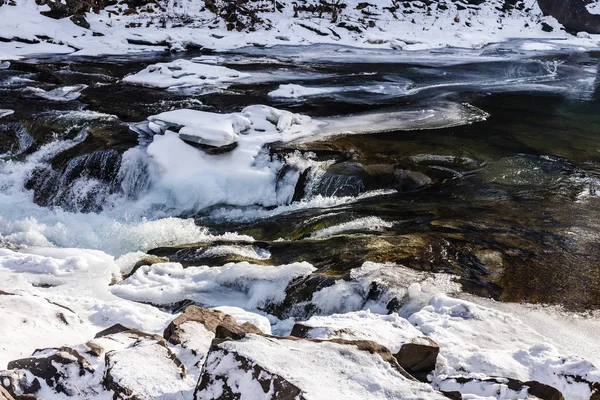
(83, 184)
(15, 140)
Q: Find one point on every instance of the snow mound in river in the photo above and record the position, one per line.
(182, 74)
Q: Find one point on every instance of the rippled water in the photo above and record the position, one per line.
(483, 164)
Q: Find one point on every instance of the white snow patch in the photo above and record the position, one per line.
(5, 112)
(478, 341)
(390, 331)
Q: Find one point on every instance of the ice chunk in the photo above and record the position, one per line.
(293, 91)
(200, 126)
(5, 112)
(65, 93)
(184, 74)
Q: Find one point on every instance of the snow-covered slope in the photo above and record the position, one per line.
(182, 24)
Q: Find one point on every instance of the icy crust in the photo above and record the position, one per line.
(320, 370)
(243, 285)
(476, 342)
(179, 25)
(65, 93)
(181, 74)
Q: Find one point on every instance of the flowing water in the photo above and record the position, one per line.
(481, 164)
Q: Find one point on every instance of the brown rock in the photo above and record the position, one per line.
(236, 332)
(213, 321)
(418, 357)
(118, 328)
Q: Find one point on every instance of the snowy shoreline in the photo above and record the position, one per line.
(26, 32)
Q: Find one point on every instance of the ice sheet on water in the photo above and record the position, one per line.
(436, 116)
(359, 224)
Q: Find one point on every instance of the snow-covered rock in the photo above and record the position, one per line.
(391, 331)
(59, 368)
(184, 74)
(260, 367)
(242, 316)
(414, 352)
(146, 369)
(476, 341)
(200, 127)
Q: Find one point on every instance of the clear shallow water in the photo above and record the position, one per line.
(484, 164)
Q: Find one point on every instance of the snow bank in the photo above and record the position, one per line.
(380, 25)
